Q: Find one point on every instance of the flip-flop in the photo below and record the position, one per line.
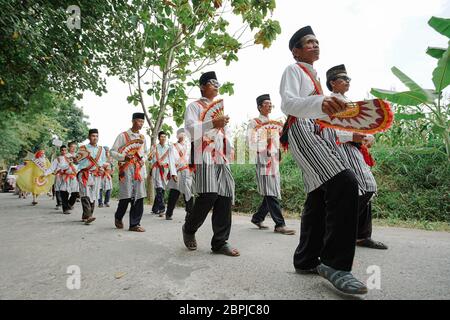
(372, 244)
(228, 251)
(344, 281)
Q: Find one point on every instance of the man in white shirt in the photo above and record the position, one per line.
(159, 164)
(329, 218)
(264, 143)
(214, 183)
(130, 150)
(354, 146)
(66, 183)
(181, 175)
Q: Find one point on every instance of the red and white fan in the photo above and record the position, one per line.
(132, 147)
(367, 117)
(214, 110)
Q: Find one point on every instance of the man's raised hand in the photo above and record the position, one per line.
(333, 105)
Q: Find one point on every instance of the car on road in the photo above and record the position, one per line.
(9, 179)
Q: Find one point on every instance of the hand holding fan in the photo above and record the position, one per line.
(131, 148)
(368, 117)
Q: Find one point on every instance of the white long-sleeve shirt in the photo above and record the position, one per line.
(295, 90)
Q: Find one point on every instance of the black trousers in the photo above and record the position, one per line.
(365, 216)
(158, 203)
(58, 198)
(221, 217)
(88, 207)
(270, 205)
(68, 202)
(136, 210)
(172, 201)
(329, 224)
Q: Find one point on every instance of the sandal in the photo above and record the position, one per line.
(372, 244)
(260, 225)
(284, 230)
(228, 251)
(89, 220)
(137, 229)
(118, 223)
(189, 240)
(344, 281)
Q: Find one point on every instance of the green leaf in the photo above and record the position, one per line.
(435, 52)
(409, 116)
(413, 86)
(406, 98)
(441, 75)
(441, 25)
(437, 129)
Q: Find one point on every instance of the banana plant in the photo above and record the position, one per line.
(428, 104)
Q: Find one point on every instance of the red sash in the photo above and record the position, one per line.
(93, 163)
(291, 119)
(136, 161)
(159, 165)
(182, 158)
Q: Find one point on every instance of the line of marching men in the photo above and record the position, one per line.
(335, 168)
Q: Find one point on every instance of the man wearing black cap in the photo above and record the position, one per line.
(213, 180)
(181, 175)
(329, 218)
(65, 181)
(130, 150)
(160, 171)
(354, 146)
(90, 166)
(264, 144)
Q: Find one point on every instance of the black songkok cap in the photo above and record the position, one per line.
(204, 78)
(298, 35)
(261, 98)
(333, 72)
(138, 115)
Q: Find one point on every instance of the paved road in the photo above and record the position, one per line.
(39, 243)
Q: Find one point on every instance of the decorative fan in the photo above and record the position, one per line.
(132, 147)
(270, 125)
(368, 117)
(214, 110)
(82, 154)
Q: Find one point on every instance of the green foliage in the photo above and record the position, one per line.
(161, 46)
(47, 115)
(39, 52)
(425, 104)
(413, 183)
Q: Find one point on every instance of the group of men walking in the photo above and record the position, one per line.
(335, 168)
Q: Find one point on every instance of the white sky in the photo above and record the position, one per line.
(369, 37)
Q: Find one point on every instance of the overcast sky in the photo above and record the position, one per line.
(369, 37)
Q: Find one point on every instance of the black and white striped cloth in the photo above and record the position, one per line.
(213, 174)
(315, 153)
(267, 175)
(366, 180)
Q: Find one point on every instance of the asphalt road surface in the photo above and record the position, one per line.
(39, 244)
